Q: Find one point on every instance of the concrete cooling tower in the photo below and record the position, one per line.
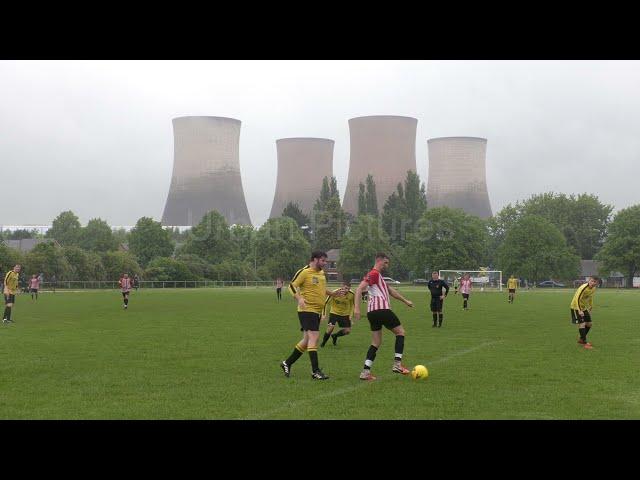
(206, 172)
(383, 146)
(302, 164)
(457, 175)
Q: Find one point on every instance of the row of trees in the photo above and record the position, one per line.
(538, 238)
(542, 237)
(69, 263)
(210, 250)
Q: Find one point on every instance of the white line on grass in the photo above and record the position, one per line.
(290, 405)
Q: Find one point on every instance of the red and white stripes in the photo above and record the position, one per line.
(378, 292)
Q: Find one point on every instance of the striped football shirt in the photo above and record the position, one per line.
(378, 292)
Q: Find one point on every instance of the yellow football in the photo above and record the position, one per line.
(419, 372)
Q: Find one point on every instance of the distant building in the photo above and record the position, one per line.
(589, 268)
(457, 175)
(206, 172)
(383, 146)
(302, 164)
(27, 244)
(331, 267)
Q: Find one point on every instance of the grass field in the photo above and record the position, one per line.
(214, 354)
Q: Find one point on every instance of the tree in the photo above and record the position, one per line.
(166, 268)
(200, 268)
(21, 234)
(590, 220)
(233, 270)
(121, 236)
(281, 248)
(583, 220)
(48, 258)
(497, 228)
(97, 236)
(404, 208)
(415, 197)
(333, 188)
(362, 199)
(621, 249)
(177, 236)
(330, 225)
(328, 219)
(292, 210)
(325, 195)
(210, 239)
(116, 263)
(394, 216)
(148, 240)
(534, 248)
(447, 238)
(84, 265)
(243, 238)
(9, 257)
(65, 229)
(370, 198)
(328, 191)
(360, 244)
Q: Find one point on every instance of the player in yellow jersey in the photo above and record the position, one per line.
(581, 306)
(11, 280)
(512, 285)
(309, 287)
(341, 310)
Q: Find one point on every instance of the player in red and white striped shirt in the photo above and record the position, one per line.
(379, 314)
(125, 287)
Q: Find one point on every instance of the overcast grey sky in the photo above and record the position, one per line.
(96, 137)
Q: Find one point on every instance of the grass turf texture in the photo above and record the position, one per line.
(215, 353)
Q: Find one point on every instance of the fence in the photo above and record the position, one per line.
(113, 284)
(110, 284)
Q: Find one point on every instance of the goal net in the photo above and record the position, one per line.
(481, 280)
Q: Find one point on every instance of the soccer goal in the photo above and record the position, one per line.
(481, 280)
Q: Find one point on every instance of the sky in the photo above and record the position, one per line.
(95, 137)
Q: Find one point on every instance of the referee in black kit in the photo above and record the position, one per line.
(435, 286)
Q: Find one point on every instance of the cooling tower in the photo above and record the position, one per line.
(383, 146)
(457, 175)
(206, 172)
(302, 164)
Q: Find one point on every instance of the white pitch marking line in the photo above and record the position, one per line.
(342, 391)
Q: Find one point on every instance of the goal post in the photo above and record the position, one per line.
(481, 280)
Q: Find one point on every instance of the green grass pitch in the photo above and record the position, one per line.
(215, 353)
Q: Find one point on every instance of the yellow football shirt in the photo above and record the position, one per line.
(512, 283)
(583, 298)
(342, 306)
(312, 285)
(11, 281)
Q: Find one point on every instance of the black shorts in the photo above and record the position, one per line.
(309, 321)
(465, 296)
(512, 290)
(33, 290)
(343, 320)
(436, 304)
(124, 294)
(11, 298)
(382, 318)
(576, 318)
